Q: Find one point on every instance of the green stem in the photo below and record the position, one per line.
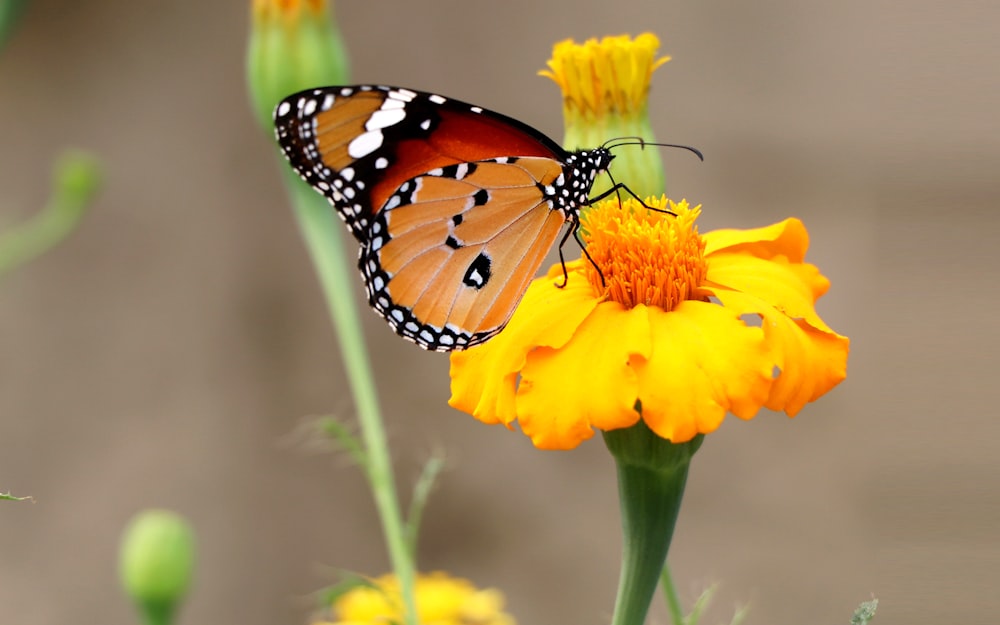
(652, 473)
(157, 613)
(320, 227)
(76, 179)
(670, 594)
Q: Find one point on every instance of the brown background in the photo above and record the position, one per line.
(169, 353)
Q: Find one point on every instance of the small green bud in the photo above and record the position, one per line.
(294, 45)
(76, 179)
(157, 562)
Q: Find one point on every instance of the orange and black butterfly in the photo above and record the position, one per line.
(455, 207)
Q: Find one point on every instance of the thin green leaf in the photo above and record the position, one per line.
(700, 605)
(421, 493)
(9, 497)
(865, 612)
(329, 595)
(342, 434)
(740, 615)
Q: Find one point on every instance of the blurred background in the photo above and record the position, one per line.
(171, 351)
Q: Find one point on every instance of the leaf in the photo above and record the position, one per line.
(9, 497)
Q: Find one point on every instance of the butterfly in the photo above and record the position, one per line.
(454, 206)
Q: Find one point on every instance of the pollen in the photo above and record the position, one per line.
(645, 256)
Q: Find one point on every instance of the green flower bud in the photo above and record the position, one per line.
(294, 45)
(605, 86)
(76, 179)
(156, 563)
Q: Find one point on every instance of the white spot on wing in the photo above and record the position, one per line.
(384, 118)
(436, 99)
(364, 144)
(402, 94)
(283, 108)
(381, 162)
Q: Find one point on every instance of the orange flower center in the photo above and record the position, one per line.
(646, 257)
(287, 8)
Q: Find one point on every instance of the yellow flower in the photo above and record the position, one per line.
(610, 76)
(685, 328)
(441, 600)
(605, 84)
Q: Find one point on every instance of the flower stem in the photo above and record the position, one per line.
(652, 473)
(670, 594)
(319, 227)
(75, 181)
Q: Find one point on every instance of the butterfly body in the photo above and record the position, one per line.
(454, 206)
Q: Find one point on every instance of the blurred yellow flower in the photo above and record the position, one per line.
(441, 600)
(606, 76)
(670, 336)
(605, 88)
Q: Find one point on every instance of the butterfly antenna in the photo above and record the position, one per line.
(642, 143)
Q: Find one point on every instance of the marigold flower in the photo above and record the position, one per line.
(605, 84)
(441, 600)
(664, 338)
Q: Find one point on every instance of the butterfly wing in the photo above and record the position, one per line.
(357, 145)
(454, 249)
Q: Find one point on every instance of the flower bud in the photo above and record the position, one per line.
(156, 562)
(294, 45)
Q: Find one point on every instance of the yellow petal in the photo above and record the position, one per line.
(791, 288)
(788, 238)
(812, 359)
(705, 362)
(589, 383)
(484, 377)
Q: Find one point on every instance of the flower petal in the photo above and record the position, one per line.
(565, 393)
(791, 288)
(812, 359)
(705, 362)
(484, 377)
(788, 238)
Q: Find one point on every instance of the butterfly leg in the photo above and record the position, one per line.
(622, 186)
(576, 235)
(574, 229)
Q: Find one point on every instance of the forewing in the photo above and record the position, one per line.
(453, 250)
(357, 144)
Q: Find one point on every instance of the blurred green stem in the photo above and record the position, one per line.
(670, 594)
(9, 12)
(76, 179)
(320, 227)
